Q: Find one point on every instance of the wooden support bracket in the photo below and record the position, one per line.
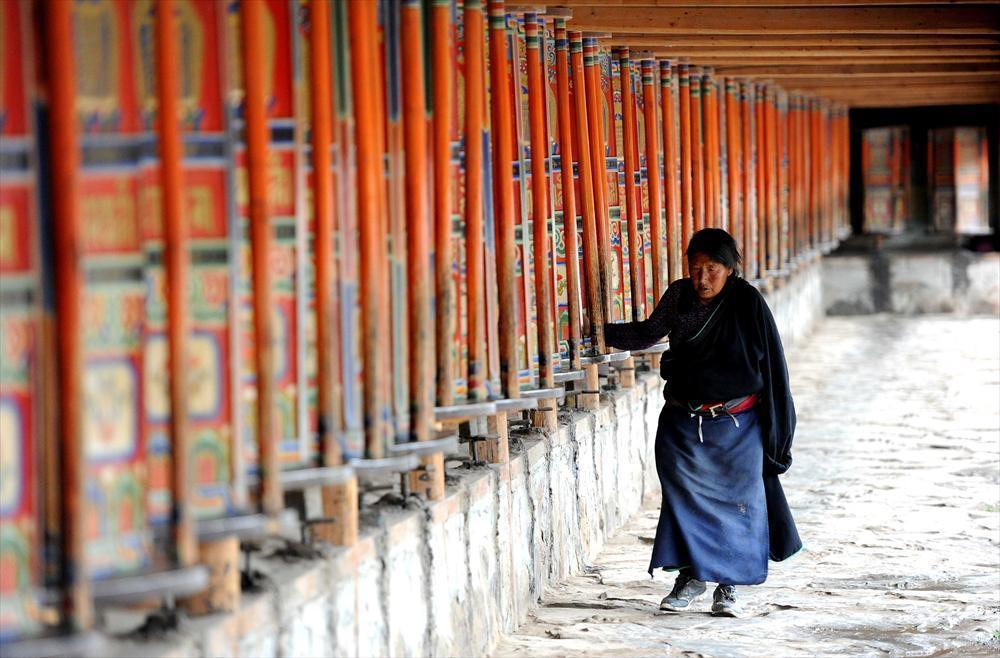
(222, 557)
(498, 451)
(545, 416)
(590, 397)
(340, 504)
(627, 370)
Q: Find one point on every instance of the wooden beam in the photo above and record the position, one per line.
(809, 20)
(811, 41)
(839, 53)
(752, 3)
(873, 70)
(928, 91)
(919, 102)
(883, 82)
(771, 62)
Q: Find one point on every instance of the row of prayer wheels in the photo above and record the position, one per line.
(254, 248)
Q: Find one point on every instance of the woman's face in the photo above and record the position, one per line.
(708, 276)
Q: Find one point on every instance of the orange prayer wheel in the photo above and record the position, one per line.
(631, 192)
(591, 250)
(255, 111)
(687, 164)
(697, 151)
(503, 191)
(566, 155)
(658, 257)
(734, 158)
(671, 167)
(441, 126)
(176, 263)
(598, 167)
(539, 207)
(475, 101)
(76, 604)
(418, 224)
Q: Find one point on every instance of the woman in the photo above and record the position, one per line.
(725, 432)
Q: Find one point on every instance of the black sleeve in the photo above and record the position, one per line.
(644, 333)
(777, 410)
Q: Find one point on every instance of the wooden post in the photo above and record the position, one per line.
(254, 99)
(761, 171)
(814, 172)
(710, 160)
(793, 176)
(749, 180)
(503, 189)
(595, 298)
(566, 155)
(671, 164)
(734, 157)
(771, 180)
(176, 259)
(629, 134)
(429, 480)
(781, 134)
(222, 557)
(322, 198)
(828, 168)
(444, 305)
(687, 163)
(697, 152)
(591, 255)
(546, 417)
(337, 502)
(77, 608)
(659, 258)
(598, 156)
(475, 99)
(368, 123)
(629, 130)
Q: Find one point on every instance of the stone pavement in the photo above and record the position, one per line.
(896, 491)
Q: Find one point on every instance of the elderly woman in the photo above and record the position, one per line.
(725, 432)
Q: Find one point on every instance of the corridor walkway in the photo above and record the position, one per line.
(896, 489)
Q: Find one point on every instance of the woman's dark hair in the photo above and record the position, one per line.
(717, 245)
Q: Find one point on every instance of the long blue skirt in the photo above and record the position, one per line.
(714, 516)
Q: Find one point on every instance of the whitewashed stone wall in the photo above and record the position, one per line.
(912, 283)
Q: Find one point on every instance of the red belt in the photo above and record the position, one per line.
(713, 409)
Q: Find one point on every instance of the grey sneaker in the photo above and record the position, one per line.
(724, 603)
(686, 590)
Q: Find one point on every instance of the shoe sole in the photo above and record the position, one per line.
(727, 613)
(666, 607)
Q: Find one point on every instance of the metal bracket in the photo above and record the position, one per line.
(595, 360)
(554, 393)
(569, 376)
(614, 357)
(83, 644)
(421, 448)
(516, 404)
(367, 469)
(465, 411)
(132, 588)
(659, 348)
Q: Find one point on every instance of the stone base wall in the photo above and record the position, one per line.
(448, 578)
(912, 283)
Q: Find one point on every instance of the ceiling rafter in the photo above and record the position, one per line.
(854, 51)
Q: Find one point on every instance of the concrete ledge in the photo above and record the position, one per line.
(448, 578)
(952, 281)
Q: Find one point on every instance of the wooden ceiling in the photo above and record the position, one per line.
(865, 54)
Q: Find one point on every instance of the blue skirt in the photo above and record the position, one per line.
(714, 516)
